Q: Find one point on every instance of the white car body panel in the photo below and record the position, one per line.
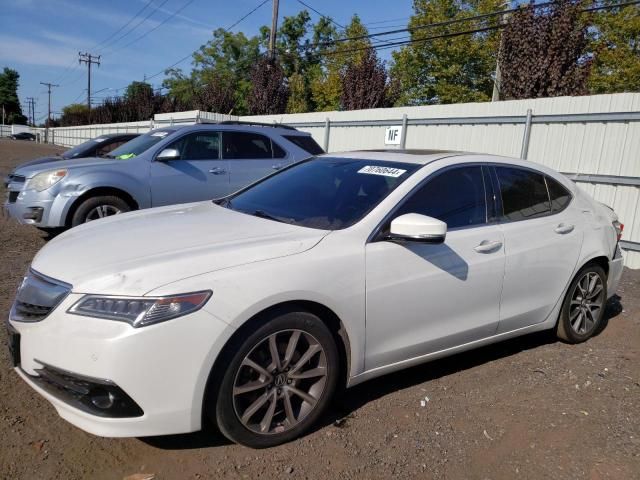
(376, 289)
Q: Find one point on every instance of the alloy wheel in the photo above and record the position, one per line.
(586, 303)
(280, 382)
(102, 211)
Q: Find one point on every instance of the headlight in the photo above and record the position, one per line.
(45, 180)
(139, 311)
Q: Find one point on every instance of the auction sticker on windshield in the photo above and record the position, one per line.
(385, 171)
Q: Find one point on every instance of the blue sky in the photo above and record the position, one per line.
(41, 38)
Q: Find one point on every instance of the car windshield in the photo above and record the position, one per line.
(325, 193)
(139, 144)
(80, 150)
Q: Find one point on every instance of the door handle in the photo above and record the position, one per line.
(217, 171)
(488, 246)
(564, 228)
(276, 167)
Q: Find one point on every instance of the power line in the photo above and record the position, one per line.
(459, 20)
(132, 29)
(246, 15)
(49, 86)
(191, 54)
(329, 18)
(189, 2)
(124, 26)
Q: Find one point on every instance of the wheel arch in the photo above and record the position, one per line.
(324, 313)
(600, 260)
(99, 191)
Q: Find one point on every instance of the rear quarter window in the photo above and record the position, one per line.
(305, 142)
(560, 196)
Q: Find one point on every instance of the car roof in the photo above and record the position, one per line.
(114, 135)
(420, 157)
(238, 126)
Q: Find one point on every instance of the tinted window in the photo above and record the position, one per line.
(326, 193)
(305, 142)
(456, 196)
(198, 146)
(140, 144)
(239, 145)
(278, 152)
(560, 196)
(107, 147)
(524, 193)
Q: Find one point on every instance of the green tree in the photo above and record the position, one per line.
(75, 114)
(615, 42)
(9, 81)
(346, 48)
(229, 56)
(138, 89)
(450, 69)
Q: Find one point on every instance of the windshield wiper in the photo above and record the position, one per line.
(263, 214)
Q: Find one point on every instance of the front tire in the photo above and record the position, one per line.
(584, 305)
(99, 207)
(277, 381)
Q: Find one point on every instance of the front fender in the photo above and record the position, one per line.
(77, 186)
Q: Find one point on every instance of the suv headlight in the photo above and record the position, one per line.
(45, 180)
(139, 311)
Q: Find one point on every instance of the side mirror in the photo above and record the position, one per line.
(168, 154)
(413, 227)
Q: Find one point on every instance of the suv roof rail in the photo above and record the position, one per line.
(258, 124)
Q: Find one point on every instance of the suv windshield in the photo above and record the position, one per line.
(325, 193)
(139, 144)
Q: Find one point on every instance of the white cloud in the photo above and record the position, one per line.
(20, 50)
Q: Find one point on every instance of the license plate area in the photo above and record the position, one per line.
(14, 346)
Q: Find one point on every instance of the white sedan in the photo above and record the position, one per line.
(251, 311)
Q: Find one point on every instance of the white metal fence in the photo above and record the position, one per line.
(594, 139)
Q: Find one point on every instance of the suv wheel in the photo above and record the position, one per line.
(99, 207)
(278, 381)
(584, 305)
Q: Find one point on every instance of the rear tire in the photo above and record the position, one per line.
(98, 207)
(584, 305)
(277, 381)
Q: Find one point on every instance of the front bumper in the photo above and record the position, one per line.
(162, 368)
(41, 209)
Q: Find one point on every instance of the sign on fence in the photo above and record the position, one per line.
(392, 135)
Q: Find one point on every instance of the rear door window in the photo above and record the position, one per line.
(524, 194)
(245, 145)
(455, 196)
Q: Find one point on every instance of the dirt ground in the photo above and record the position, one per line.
(531, 407)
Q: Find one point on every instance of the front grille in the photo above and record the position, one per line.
(13, 196)
(37, 297)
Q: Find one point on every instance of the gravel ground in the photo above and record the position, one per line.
(529, 408)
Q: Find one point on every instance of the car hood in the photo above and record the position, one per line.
(30, 169)
(38, 161)
(134, 253)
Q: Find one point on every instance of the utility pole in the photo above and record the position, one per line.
(274, 27)
(49, 85)
(31, 103)
(89, 60)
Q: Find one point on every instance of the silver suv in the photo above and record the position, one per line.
(165, 166)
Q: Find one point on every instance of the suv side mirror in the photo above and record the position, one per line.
(168, 154)
(413, 227)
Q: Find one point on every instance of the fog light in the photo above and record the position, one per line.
(103, 399)
(34, 213)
